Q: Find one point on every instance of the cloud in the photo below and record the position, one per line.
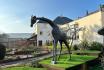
(14, 24)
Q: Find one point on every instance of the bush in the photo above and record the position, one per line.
(35, 64)
(49, 43)
(2, 51)
(95, 46)
(75, 47)
(84, 45)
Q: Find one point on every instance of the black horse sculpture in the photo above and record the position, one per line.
(57, 34)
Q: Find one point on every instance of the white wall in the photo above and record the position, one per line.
(46, 32)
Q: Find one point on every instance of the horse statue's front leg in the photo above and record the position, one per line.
(54, 60)
(60, 49)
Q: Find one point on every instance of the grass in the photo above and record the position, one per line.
(23, 68)
(65, 62)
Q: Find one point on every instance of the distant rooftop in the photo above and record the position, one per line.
(19, 35)
(62, 20)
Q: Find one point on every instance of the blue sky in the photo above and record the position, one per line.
(15, 14)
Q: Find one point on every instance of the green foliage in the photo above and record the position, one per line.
(95, 46)
(49, 43)
(35, 64)
(8, 50)
(2, 51)
(84, 45)
(28, 48)
(96, 67)
(1, 68)
(75, 47)
(102, 6)
(4, 35)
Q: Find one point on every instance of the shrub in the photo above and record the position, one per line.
(49, 43)
(2, 51)
(75, 47)
(35, 64)
(95, 46)
(84, 45)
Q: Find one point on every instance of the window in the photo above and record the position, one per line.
(41, 32)
(40, 42)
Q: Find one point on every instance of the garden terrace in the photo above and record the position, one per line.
(66, 64)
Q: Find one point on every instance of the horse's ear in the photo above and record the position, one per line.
(34, 17)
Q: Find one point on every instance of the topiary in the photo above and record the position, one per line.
(2, 51)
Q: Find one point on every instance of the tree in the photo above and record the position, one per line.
(2, 51)
(4, 35)
(2, 47)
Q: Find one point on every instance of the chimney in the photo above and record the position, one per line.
(101, 7)
(87, 13)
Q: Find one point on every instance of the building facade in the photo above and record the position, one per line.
(90, 23)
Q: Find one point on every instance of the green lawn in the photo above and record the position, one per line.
(24, 68)
(65, 62)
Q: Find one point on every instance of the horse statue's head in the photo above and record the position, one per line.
(33, 20)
